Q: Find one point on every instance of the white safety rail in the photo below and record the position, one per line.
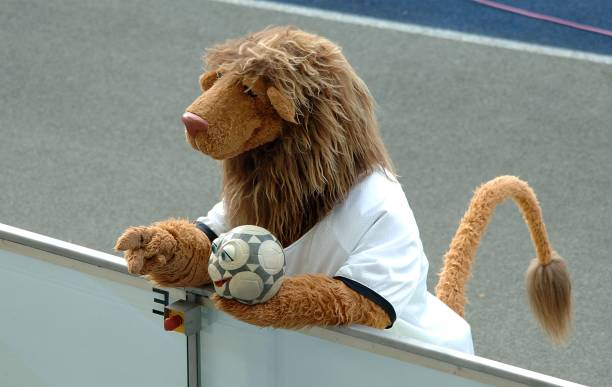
(73, 316)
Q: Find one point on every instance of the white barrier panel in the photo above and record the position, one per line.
(238, 354)
(72, 316)
(63, 327)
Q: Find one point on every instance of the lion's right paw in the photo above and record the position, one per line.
(146, 249)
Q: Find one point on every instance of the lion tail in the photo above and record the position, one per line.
(547, 278)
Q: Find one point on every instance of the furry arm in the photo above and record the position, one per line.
(172, 252)
(308, 300)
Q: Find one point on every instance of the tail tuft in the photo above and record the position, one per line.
(550, 296)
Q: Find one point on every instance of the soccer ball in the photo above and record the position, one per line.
(247, 264)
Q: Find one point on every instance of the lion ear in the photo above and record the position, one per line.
(208, 79)
(283, 105)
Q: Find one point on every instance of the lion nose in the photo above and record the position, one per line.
(194, 123)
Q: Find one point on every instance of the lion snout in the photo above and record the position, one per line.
(194, 123)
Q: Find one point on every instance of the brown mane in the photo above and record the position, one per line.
(290, 184)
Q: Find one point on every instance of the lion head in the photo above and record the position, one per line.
(235, 113)
(293, 124)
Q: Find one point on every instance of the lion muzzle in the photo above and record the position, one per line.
(194, 123)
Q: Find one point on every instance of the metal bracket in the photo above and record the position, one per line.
(183, 316)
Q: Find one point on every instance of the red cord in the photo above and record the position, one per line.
(539, 16)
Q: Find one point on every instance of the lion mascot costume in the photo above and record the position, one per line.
(295, 131)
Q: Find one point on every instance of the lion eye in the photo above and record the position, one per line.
(249, 91)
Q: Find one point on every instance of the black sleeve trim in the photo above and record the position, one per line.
(206, 230)
(372, 296)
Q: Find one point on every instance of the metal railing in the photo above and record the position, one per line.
(224, 345)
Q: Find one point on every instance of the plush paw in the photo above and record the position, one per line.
(146, 249)
(262, 315)
(172, 252)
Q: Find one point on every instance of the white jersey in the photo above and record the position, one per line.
(371, 242)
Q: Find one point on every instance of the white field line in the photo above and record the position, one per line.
(419, 30)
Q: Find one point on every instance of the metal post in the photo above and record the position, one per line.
(193, 353)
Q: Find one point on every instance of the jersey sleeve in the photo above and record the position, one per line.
(386, 262)
(213, 224)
